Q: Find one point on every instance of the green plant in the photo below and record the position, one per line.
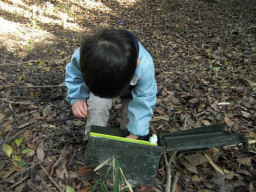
(113, 179)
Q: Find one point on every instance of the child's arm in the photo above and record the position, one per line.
(140, 109)
(77, 90)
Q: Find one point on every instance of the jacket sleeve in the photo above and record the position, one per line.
(140, 109)
(77, 90)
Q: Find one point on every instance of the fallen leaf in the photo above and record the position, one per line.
(79, 123)
(228, 121)
(2, 116)
(32, 146)
(161, 117)
(196, 179)
(206, 122)
(17, 158)
(188, 166)
(246, 114)
(7, 149)
(251, 187)
(69, 189)
(62, 172)
(229, 175)
(245, 161)
(8, 128)
(29, 84)
(27, 150)
(22, 163)
(193, 100)
(27, 133)
(86, 189)
(196, 159)
(244, 172)
(47, 111)
(18, 141)
(40, 153)
(20, 188)
(83, 171)
(5, 173)
(72, 175)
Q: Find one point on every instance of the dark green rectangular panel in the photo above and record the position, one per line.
(199, 138)
(138, 161)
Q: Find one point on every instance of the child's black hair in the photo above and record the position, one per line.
(108, 61)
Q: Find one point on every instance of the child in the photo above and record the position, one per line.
(112, 63)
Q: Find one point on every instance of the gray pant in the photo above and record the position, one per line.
(98, 112)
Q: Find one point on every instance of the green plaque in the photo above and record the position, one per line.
(139, 159)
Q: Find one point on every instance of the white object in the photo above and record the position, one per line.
(153, 139)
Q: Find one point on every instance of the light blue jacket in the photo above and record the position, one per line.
(140, 109)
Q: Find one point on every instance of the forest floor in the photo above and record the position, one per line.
(205, 63)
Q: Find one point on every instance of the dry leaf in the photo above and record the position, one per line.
(206, 122)
(5, 173)
(196, 179)
(188, 166)
(40, 153)
(86, 189)
(72, 175)
(228, 121)
(8, 128)
(196, 159)
(251, 187)
(2, 117)
(62, 172)
(7, 149)
(83, 171)
(47, 111)
(20, 188)
(245, 161)
(244, 172)
(27, 133)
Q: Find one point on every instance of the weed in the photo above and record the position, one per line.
(113, 179)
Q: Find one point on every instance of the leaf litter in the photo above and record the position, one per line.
(205, 63)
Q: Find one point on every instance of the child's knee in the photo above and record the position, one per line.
(98, 104)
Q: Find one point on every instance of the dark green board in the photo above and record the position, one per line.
(140, 162)
(200, 138)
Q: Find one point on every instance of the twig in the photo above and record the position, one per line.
(52, 180)
(175, 181)
(60, 61)
(38, 86)
(213, 164)
(20, 63)
(19, 132)
(72, 158)
(168, 170)
(17, 183)
(27, 170)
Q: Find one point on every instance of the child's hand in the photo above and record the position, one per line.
(131, 136)
(79, 109)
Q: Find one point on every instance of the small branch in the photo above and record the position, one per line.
(175, 181)
(60, 61)
(213, 164)
(168, 171)
(20, 63)
(52, 180)
(20, 132)
(20, 181)
(39, 86)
